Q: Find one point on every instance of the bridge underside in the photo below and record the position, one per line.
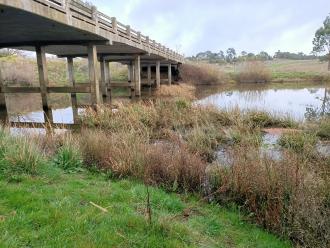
(24, 31)
(70, 29)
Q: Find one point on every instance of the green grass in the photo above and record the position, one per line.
(53, 210)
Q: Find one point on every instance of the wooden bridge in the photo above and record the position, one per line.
(71, 29)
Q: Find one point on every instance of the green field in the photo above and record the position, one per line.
(54, 210)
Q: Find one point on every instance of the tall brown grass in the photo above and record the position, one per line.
(253, 72)
(202, 74)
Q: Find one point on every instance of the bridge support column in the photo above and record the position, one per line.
(3, 106)
(93, 77)
(169, 74)
(137, 75)
(43, 80)
(72, 81)
(157, 74)
(149, 75)
(105, 80)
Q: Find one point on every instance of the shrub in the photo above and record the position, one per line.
(253, 72)
(286, 196)
(69, 157)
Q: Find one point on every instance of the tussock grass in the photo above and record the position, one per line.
(202, 74)
(18, 155)
(323, 130)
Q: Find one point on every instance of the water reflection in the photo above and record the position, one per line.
(300, 104)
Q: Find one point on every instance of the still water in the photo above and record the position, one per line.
(300, 103)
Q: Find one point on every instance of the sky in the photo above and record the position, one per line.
(192, 26)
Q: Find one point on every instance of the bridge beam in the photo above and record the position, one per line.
(44, 82)
(137, 75)
(72, 81)
(93, 75)
(158, 74)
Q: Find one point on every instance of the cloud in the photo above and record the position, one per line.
(191, 26)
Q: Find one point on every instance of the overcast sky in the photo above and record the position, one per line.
(191, 26)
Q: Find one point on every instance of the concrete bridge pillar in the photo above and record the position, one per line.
(105, 80)
(149, 75)
(93, 75)
(72, 81)
(3, 106)
(137, 75)
(44, 82)
(169, 74)
(157, 74)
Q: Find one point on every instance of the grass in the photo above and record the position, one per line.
(55, 212)
(253, 72)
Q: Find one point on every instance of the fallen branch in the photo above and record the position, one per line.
(99, 207)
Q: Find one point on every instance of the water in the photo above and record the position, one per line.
(301, 104)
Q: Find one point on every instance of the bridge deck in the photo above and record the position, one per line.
(64, 26)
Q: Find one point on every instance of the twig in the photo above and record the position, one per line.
(99, 207)
(149, 213)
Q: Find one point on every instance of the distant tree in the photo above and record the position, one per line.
(263, 56)
(243, 53)
(231, 55)
(221, 55)
(321, 41)
(6, 52)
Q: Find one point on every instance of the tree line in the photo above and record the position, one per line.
(231, 56)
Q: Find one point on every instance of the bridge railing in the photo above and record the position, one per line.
(88, 13)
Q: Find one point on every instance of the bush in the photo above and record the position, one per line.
(69, 157)
(253, 72)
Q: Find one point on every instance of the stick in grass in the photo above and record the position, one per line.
(99, 207)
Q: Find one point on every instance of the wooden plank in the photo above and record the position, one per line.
(121, 85)
(64, 89)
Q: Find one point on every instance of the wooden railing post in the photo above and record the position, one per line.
(95, 18)
(93, 77)
(114, 24)
(139, 37)
(67, 4)
(43, 80)
(128, 32)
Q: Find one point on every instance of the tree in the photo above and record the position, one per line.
(231, 55)
(321, 41)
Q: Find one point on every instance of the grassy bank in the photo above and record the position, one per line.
(50, 198)
(172, 144)
(279, 70)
